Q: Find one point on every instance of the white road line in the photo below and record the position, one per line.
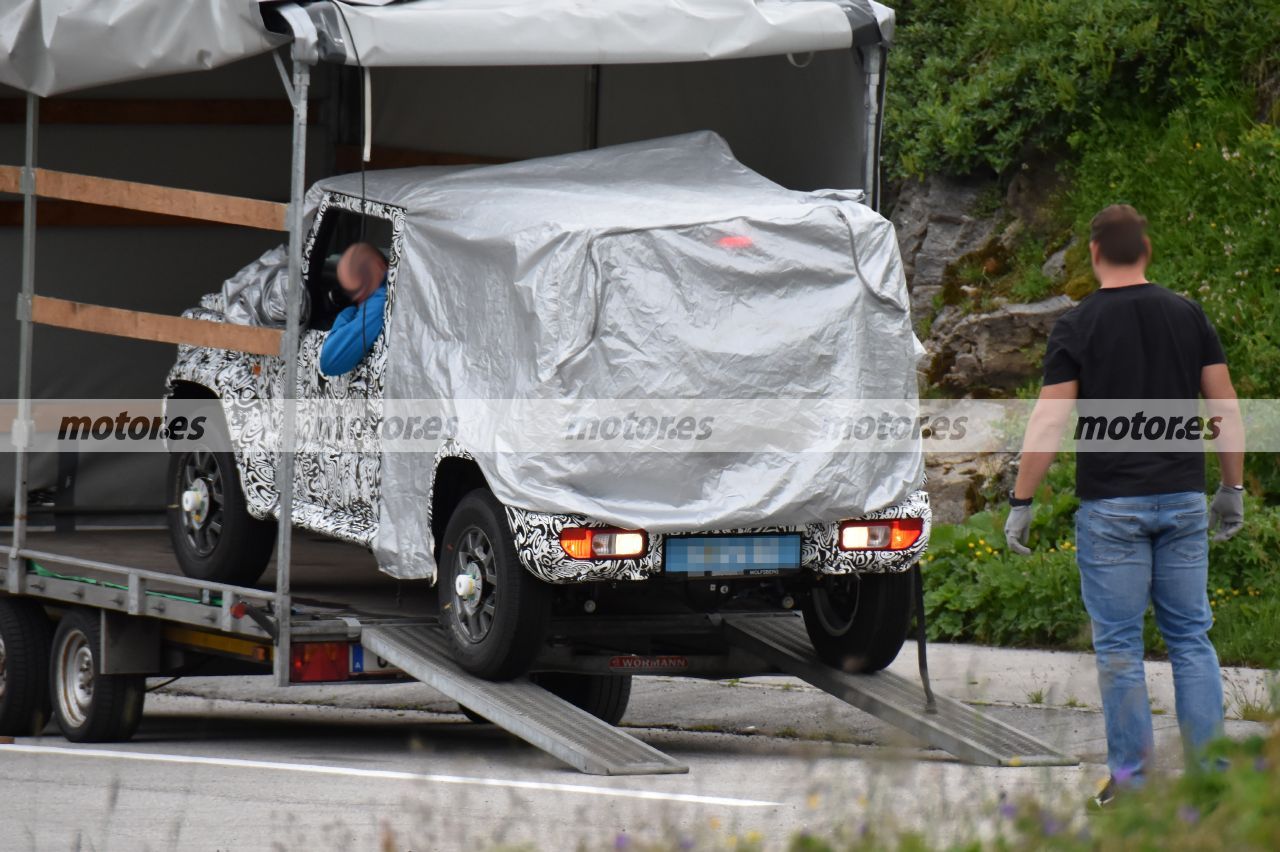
(387, 774)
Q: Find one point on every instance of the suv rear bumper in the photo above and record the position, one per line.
(537, 540)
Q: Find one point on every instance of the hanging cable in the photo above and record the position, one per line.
(366, 131)
(366, 144)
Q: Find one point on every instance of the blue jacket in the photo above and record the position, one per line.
(354, 332)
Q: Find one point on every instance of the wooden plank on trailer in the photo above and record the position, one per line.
(160, 328)
(169, 111)
(74, 214)
(150, 198)
(11, 179)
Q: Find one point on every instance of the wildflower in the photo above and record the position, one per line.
(1189, 814)
(982, 541)
(970, 545)
(621, 842)
(1260, 764)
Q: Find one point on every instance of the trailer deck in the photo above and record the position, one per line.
(341, 600)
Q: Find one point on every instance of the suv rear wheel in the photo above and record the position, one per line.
(493, 611)
(214, 537)
(858, 624)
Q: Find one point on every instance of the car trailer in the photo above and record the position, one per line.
(78, 635)
(135, 622)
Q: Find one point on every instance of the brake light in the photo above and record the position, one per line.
(602, 543)
(319, 662)
(887, 534)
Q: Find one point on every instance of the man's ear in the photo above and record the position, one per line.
(1094, 255)
(1146, 241)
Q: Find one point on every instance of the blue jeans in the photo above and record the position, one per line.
(1138, 550)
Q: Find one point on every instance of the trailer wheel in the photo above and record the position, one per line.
(603, 696)
(90, 707)
(858, 624)
(214, 537)
(25, 638)
(493, 610)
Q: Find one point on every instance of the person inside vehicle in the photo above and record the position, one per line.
(362, 274)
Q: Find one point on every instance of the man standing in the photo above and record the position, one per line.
(1141, 526)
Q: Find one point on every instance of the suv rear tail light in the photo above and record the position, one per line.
(603, 543)
(887, 534)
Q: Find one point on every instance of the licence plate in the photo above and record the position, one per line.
(364, 663)
(732, 555)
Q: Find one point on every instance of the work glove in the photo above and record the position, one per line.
(1017, 528)
(1226, 512)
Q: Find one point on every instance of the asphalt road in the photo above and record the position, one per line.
(222, 764)
(236, 764)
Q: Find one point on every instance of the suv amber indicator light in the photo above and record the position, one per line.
(887, 534)
(603, 543)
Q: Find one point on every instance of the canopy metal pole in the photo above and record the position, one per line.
(873, 57)
(289, 350)
(23, 426)
(591, 118)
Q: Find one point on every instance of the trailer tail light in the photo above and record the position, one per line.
(603, 543)
(887, 534)
(320, 662)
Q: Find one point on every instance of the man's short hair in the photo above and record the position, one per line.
(1118, 230)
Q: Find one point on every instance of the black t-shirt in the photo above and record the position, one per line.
(1141, 342)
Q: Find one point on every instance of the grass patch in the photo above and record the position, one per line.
(977, 591)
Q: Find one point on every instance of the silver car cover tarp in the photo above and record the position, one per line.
(258, 293)
(598, 276)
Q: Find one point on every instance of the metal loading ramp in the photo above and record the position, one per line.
(525, 709)
(781, 641)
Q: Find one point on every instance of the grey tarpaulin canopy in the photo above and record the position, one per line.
(50, 47)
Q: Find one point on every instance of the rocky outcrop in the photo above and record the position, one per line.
(963, 483)
(957, 236)
(938, 221)
(991, 354)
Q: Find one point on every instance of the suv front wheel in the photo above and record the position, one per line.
(493, 611)
(213, 535)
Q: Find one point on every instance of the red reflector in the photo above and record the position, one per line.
(319, 662)
(737, 241)
(238, 610)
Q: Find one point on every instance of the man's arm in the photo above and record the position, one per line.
(1044, 434)
(352, 336)
(1220, 399)
(1039, 448)
(1226, 512)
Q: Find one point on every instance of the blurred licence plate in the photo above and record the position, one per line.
(364, 663)
(732, 555)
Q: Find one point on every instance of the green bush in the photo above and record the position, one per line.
(987, 85)
(978, 591)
